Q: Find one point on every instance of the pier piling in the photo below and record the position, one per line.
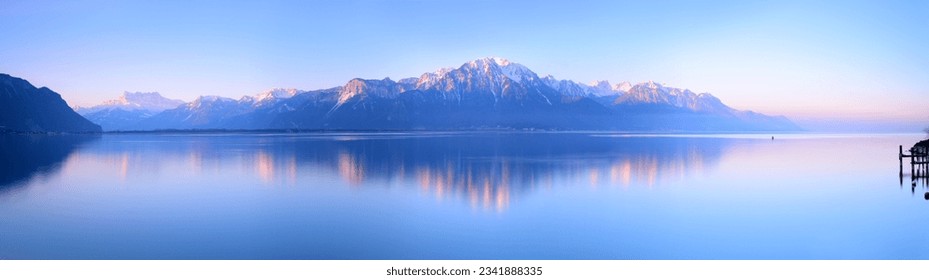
(919, 163)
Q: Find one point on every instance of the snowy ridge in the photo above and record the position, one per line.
(151, 102)
(489, 92)
(277, 93)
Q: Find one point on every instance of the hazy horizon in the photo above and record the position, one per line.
(824, 65)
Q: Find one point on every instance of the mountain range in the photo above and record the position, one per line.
(127, 110)
(487, 93)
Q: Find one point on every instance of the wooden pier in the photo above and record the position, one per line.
(919, 161)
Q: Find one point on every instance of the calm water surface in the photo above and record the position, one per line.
(459, 196)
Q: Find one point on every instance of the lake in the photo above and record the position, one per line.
(475, 195)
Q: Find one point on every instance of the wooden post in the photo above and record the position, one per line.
(918, 159)
(922, 162)
(921, 169)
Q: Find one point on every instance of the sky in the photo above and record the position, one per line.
(820, 63)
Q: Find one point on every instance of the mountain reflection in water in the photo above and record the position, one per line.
(488, 170)
(23, 157)
(477, 195)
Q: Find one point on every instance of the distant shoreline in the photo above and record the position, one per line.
(470, 130)
(451, 131)
(323, 131)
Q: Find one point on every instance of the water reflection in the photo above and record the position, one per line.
(25, 157)
(489, 170)
(486, 170)
(460, 196)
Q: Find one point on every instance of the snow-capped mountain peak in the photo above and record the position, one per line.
(652, 85)
(277, 93)
(491, 65)
(601, 88)
(207, 99)
(500, 61)
(443, 71)
(601, 84)
(518, 72)
(486, 64)
(623, 87)
(151, 102)
(428, 79)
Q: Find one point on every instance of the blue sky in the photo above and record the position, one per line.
(820, 60)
